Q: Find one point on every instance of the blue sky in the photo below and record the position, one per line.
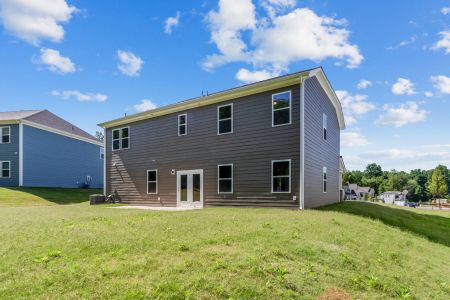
(91, 61)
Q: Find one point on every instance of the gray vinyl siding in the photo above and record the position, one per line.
(254, 143)
(320, 153)
(10, 152)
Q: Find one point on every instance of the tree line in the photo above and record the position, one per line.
(422, 185)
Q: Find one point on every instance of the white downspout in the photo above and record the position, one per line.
(20, 154)
(302, 143)
(104, 161)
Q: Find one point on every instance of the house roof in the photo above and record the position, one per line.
(17, 115)
(245, 90)
(46, 120)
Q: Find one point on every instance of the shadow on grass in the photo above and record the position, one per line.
(433, 227)
(55, 195)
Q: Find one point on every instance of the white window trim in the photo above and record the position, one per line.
(272, 177)
(325, 126)
(290, 108)
(155, 170)
(185, 124)
(102, 152)
(324, 172)
(1, 169)
(120, 138)
(218, 179)
(218, 119)
(1, 134)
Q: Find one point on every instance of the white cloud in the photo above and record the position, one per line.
(351, 139)
(79, 96)
(129, 63)
(423, 156)
(403, 43)
(363, 84)
(276, 42)
(428, 94)
(144, 105)
(441, 83)
(406, 113)
(247, 76)
(445, 10)
(172, 22)
(226, 25)
(403, 86)
(444, 42)
(354, 106)
(55, 61)
(36, 20)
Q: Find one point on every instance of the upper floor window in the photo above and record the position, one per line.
(102, 153)
(281, 109)
(152, 182)
(182, 124)
(281, 176)
(5, 135)
(121, 138)
(325, 126)
(324, 179)
(225, 178)
(225, 119)
(5, 169)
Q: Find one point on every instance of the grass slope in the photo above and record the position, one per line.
(43, 196)
(78, 251)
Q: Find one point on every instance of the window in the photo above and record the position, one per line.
(324, 179)
(5, 135)
(102, 153)
(182, 124)
(281, 176)
(5, 169)
(324, 122)
(152, 182)
(281, 109)
(225, 119)
(121, 138)
(225, 179)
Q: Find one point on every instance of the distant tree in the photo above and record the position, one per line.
(438, 185)
(373, 170)
(396, 181)
(100, 136)
(421, 179)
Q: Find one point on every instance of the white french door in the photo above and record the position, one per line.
(190, 188)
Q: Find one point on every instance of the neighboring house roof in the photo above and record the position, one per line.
(391, 192)
(245, 90)
(17, 115)
(48, 121)
(364, 189)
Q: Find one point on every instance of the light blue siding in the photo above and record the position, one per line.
(53, 160)
(10, 152)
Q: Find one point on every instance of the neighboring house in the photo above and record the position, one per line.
(355, 192)
(39, 149)
(394, 197)
(274, 143)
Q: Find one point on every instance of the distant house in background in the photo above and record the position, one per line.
(39, 149)
(355, 192)
(394, 197)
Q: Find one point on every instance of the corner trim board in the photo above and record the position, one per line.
(20, 154)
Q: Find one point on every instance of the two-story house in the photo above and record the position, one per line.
(274, 143)
(39, 149)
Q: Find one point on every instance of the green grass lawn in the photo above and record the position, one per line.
(83, 252)
(43, 196)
